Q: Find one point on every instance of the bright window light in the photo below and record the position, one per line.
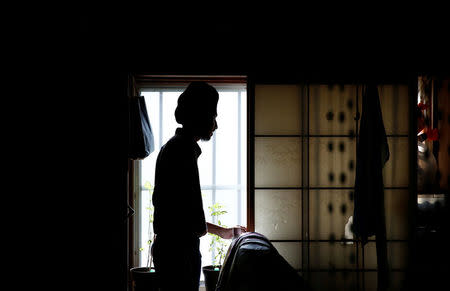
(222, 164)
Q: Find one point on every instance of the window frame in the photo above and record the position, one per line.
(169, 83)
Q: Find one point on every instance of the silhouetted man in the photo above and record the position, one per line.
(179, 220)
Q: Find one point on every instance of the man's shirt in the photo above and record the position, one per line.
(177, 198)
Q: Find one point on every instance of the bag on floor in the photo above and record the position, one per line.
(253, 263)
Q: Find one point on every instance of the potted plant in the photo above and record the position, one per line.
(219, 246)
(145, 278)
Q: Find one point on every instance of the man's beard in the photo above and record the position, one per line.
(206, 137)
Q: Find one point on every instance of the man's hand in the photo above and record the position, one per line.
(233, 232)
(226, 233)
(238, 230)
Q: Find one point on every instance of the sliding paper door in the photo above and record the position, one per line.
(304, 173)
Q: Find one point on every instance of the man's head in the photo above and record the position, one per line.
(197, 109)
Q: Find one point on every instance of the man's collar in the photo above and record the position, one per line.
(182, 132)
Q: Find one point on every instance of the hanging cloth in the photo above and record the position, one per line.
(141, 141)
(371, 155)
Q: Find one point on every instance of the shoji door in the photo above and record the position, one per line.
(305, 161)
(278, 168)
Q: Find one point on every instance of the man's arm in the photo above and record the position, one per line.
(225, 232)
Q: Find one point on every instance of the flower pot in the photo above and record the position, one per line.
(211, 274)
(144, 279)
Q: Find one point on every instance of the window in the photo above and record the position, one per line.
(222, 164)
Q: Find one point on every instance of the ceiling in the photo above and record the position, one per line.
(274, 43)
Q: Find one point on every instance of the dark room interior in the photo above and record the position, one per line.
(285, 59)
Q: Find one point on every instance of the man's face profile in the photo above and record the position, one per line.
(210, 125)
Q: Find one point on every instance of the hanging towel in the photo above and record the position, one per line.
(141, 142)
(371, 155)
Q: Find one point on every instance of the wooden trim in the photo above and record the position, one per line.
(131, 219)
(412, 201)
(142, 79)
(250, 155)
